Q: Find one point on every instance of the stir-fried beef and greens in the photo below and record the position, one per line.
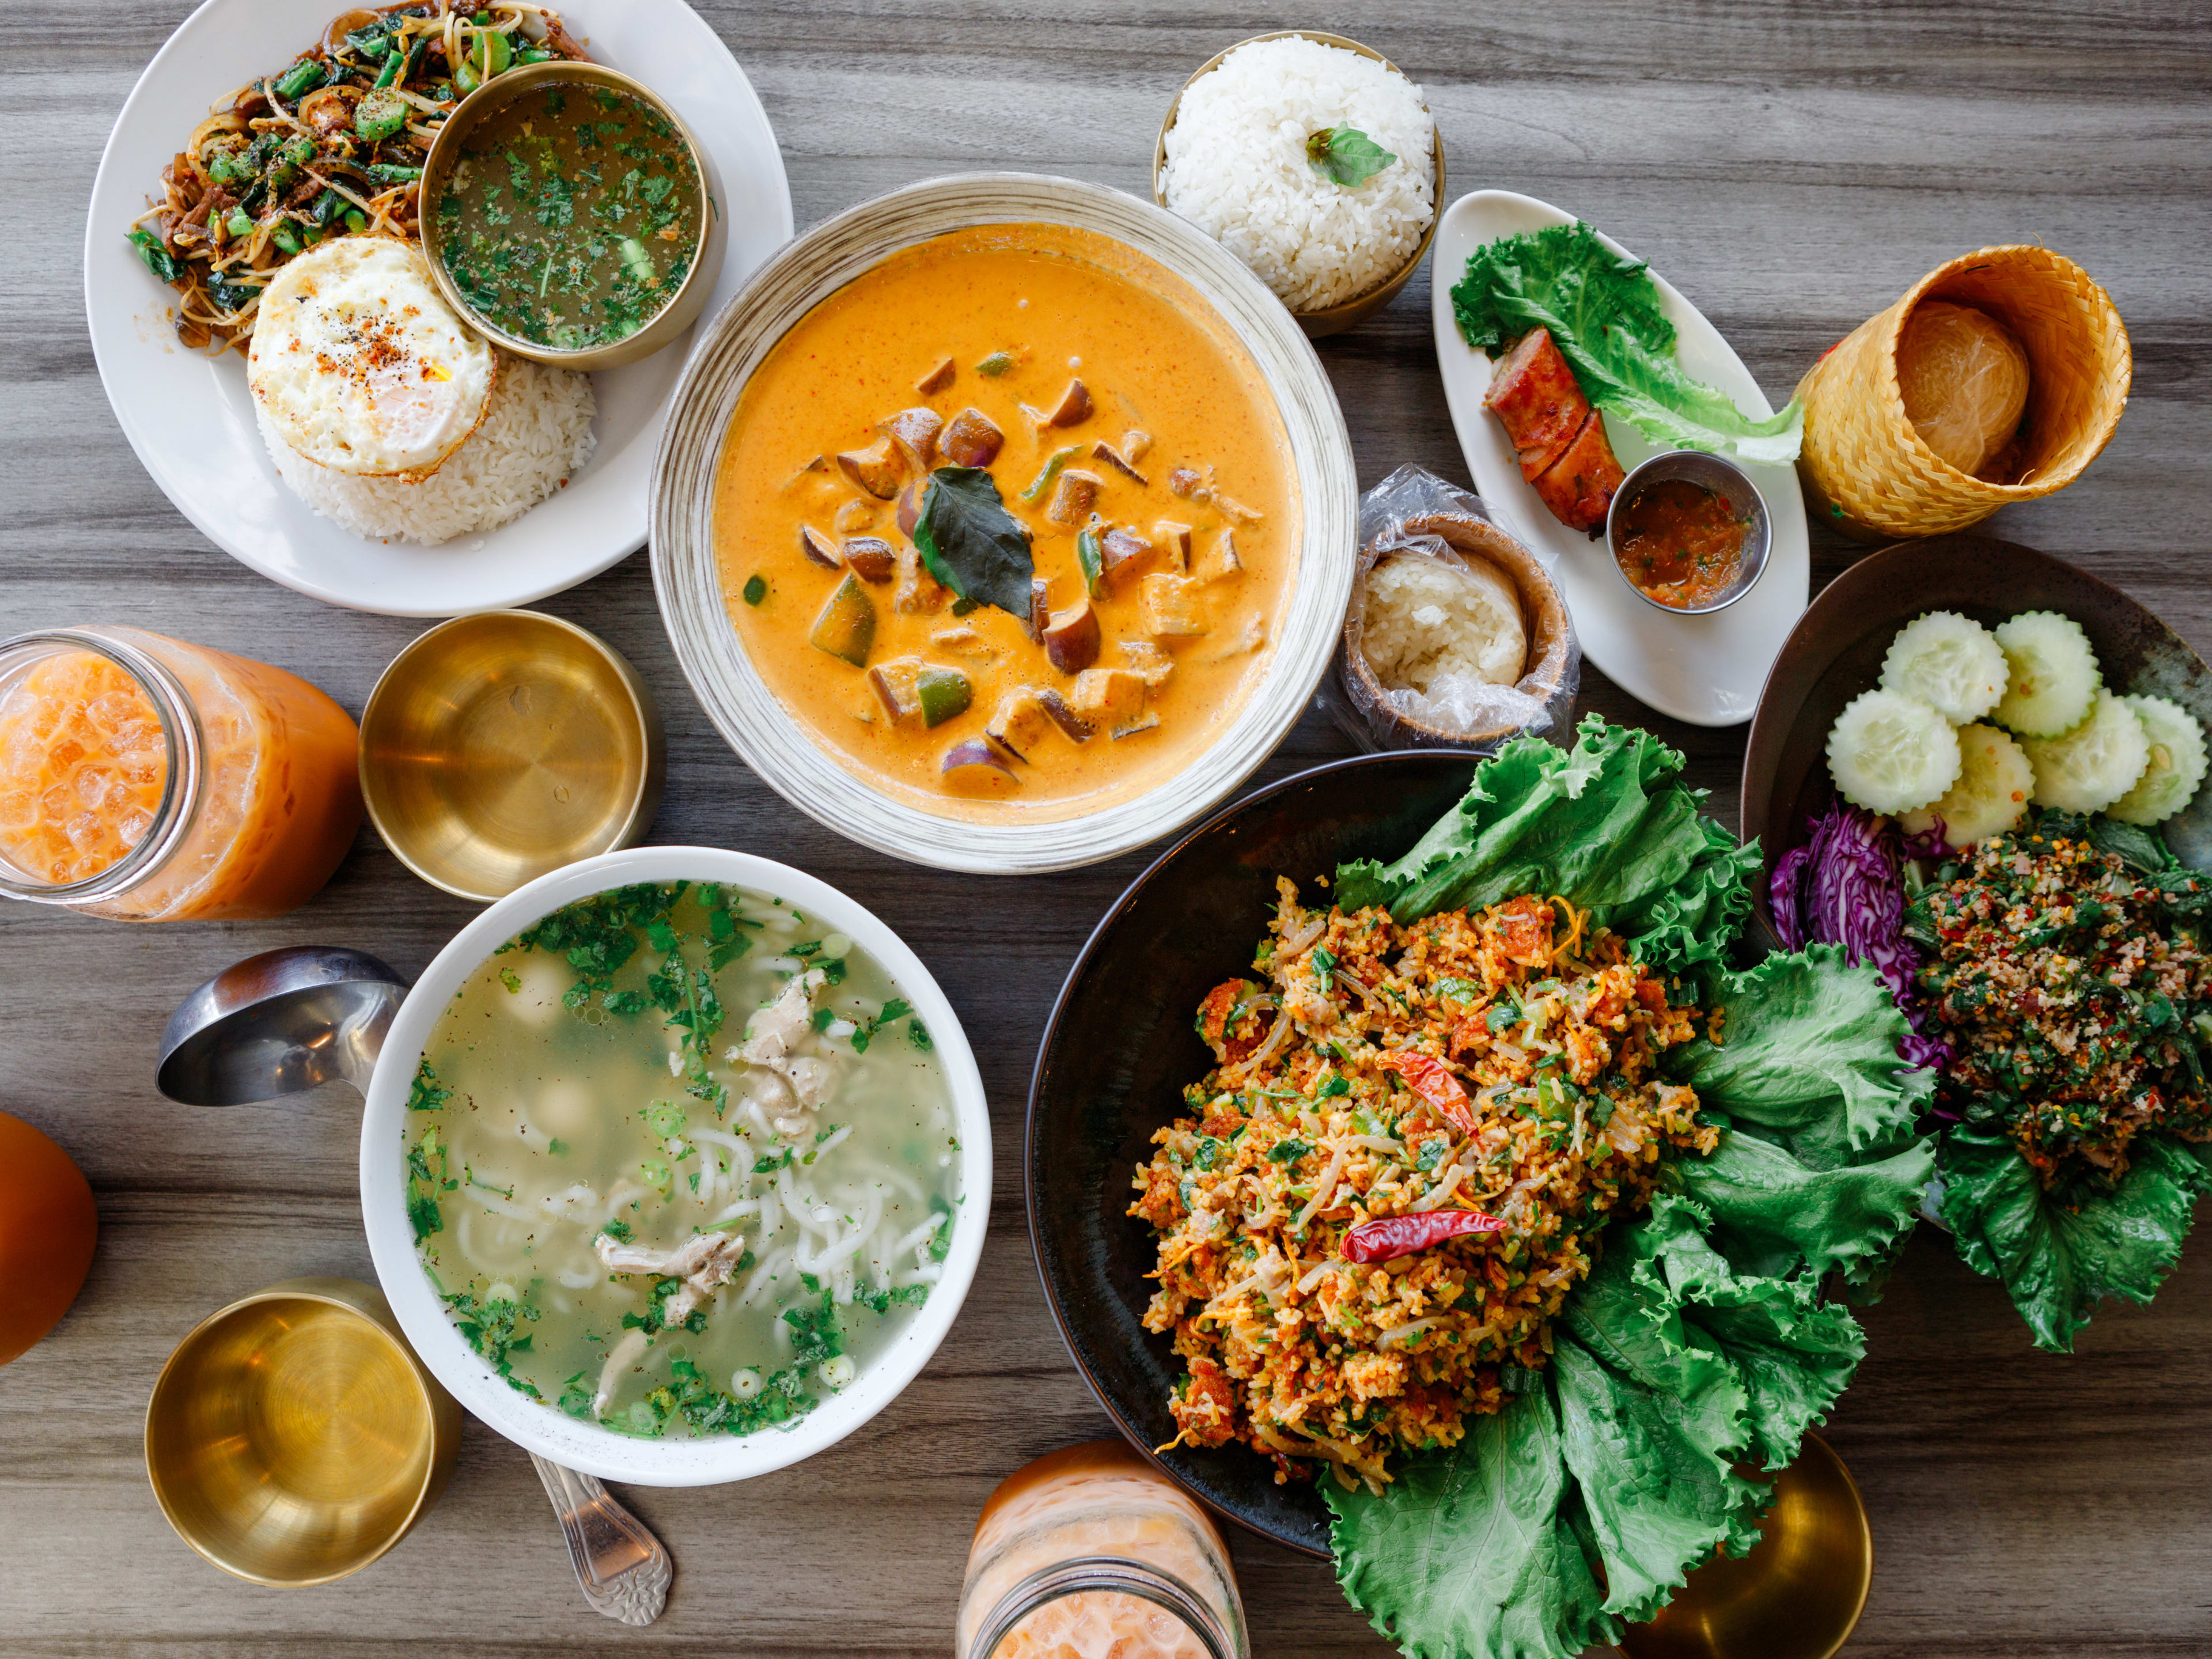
(2065, 968)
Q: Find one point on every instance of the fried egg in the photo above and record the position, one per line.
(362, 366)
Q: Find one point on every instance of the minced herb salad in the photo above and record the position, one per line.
(2064, 965)
(572, 217)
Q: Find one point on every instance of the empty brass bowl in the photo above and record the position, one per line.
(1330, 319)
(293, 1437)
(1797, 1596)
(499, 746)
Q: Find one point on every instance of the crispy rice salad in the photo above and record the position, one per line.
(1512, 1201)
(1399, 1169)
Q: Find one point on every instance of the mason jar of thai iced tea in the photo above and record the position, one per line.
(1093, 1553)
(149, 779)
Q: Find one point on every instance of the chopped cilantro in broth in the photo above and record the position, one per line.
(572, 217)
(660, 1070)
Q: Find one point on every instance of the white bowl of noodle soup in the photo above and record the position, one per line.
(389, 1127)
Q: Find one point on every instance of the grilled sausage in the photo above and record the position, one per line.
(1560, 439)
(1534, 395)
(1579, 486)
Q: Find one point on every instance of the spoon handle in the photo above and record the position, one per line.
(622, 1568)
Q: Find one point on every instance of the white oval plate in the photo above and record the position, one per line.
(746, 709)
(706, 1459)
(1705, 669)
(191, 417)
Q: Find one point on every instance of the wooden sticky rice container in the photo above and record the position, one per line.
(1543, 616)
(1867, 471)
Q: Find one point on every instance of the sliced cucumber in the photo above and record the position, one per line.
(1890, 754)
(2177, 763)
(2054, 674)
(1950, 662)
(1995, 785)
(2087, 769)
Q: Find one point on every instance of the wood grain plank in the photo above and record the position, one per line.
(1792, 166)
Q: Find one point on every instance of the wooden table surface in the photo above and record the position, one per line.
(1791, 167)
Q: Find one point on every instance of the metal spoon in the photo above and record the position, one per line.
(287, 1020)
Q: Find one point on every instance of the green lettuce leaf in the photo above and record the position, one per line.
(2058, 1263)
(1772, 1214)
(1653, 1472)
(1794, 1354)
(1468, 1551)
(1604, 314)
(1808, 1051)
(1607, 823)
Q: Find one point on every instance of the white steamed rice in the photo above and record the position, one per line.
(1237, 168)
(536, 433)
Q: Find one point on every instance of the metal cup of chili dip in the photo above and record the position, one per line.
(571, 215)
(1689, 532)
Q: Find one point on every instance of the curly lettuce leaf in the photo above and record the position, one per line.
(1773, 1214)
(1654, 1471)
(1808, 1051)
(1604, 313)
(2057, 1263)
(1794, 1354)
(1607, 823)
(1468, 1552)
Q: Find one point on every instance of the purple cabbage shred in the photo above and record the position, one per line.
(1846, 887)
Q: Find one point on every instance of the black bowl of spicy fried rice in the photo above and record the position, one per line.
(1120, 1048)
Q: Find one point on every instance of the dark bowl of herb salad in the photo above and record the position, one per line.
(571, 215)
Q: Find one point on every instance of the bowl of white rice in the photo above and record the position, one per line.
(1252, 152)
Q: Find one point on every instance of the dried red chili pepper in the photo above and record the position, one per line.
(1432, 1080)
(1394, 1235)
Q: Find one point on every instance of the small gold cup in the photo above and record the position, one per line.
(499, 746)
(293, 1437)
(1797, 1596)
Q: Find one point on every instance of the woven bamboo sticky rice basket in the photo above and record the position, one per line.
(1869, 472)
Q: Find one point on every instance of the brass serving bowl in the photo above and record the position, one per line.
(1330, 319)
(499, 746)
(1797, 1596)
(495, 94)
(293, 1437)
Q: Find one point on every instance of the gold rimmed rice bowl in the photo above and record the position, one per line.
(1328, 319)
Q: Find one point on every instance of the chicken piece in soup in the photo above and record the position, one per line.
(681, 1161)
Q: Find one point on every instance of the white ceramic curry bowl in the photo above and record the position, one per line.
(690, 585)
(709, 1460)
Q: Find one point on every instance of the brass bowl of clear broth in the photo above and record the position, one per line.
(630, 270)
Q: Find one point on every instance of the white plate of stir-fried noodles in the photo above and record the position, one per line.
(190, 415)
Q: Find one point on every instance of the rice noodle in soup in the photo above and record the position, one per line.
(681, 1160)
